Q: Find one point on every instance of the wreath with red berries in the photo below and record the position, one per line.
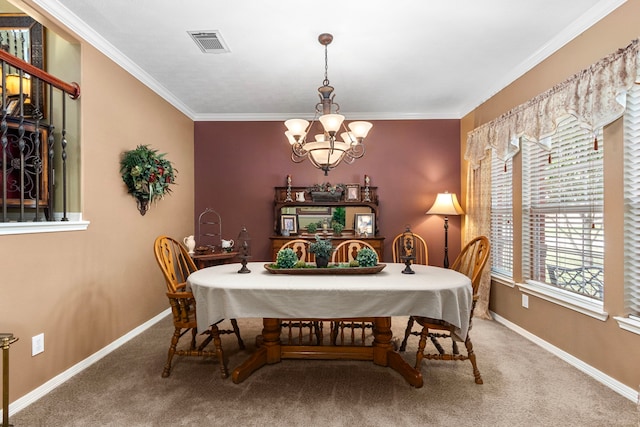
(147, 174)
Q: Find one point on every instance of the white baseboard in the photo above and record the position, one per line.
(54, 382)
(599, 376)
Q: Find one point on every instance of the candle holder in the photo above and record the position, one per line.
(408, 255)
(367, 197)
(288, 198)
(244, 243)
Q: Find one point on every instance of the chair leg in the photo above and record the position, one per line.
(194, 332)
(217, 342)
(472, 359)
(407, 332)
(436, 344)
(423, 342)
(236, 330)
(172, 350)
(317, 326)
(334, 332)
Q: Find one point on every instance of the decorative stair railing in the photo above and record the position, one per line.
(31, 143)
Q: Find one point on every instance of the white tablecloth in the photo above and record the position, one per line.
(222, 293)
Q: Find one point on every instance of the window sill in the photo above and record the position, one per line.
(628, 324)
(579, 303)
(75, 223)
(503, 280)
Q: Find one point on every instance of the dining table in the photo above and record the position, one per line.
(222, 293)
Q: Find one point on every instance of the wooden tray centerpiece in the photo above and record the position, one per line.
(311, 268)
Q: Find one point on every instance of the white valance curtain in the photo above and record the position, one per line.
(596, 96)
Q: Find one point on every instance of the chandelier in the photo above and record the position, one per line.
(326, 152)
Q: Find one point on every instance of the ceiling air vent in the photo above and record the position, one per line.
(209, 41)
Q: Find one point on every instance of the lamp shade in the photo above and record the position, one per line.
(12, 82)
(360, 129)
(297, 127)
(331, 122)
(446, 204)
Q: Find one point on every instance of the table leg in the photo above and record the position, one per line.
(385, 355)
(269, 351)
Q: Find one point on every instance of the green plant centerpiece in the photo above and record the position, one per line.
(323, 249)
(286, 258)
(311, 228)
(147, 175)
(367, 257)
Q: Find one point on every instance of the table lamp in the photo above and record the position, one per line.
(446, 204)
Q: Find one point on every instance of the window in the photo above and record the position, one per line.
(501, 216)
(562, 198)
(49, 198)
(632, 202)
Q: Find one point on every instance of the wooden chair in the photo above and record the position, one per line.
(470, 262)
(419, 246)
(421, 253)
(176, 265)
(295, 330)
(346, 252)
(301, 248)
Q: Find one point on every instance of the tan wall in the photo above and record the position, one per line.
(84, 290)
(602, 345)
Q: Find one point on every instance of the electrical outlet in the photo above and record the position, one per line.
(525, 301)
(37, 344)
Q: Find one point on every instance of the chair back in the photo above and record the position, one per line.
(472, 260)
(174, 261)
(301, 249)
(348, 250)
(420, 250)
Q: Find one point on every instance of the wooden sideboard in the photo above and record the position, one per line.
(361, 200)
(218, 258)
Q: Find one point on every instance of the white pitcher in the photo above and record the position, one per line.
(190, 243)
(227, 244)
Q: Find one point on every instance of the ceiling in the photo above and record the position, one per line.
(407, 59)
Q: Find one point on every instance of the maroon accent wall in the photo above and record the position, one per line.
(237, 164)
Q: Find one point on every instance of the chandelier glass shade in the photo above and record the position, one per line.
(325, 151)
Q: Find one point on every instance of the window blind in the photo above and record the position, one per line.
(632, 201)
(501, 216)
(563, 233)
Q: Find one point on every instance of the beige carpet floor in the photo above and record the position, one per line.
(523, 386)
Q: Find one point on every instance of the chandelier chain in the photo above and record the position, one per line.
(326, 67)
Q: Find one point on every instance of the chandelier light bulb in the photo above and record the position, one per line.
(360, 129)
(331, 122)
(290, 137)
(297, 127)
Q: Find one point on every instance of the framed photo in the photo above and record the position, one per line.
(289, 223)
(353, 193)
(13, 105)
(364, 224)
